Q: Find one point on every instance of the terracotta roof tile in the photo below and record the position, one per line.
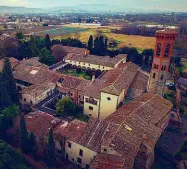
(94, 59)
(106, 161)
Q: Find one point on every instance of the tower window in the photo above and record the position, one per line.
(166, 54)
(155, 66)
(154, 75)
(162, 77)
(158, 52)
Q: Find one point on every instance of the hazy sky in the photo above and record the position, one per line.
(172, 5)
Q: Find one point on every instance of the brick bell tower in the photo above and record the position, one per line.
(160, 68)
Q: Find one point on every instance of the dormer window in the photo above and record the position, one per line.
(60, 80)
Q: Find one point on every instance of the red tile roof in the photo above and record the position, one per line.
(94, 59)
(106, 161)
(40, 123)
(69, 49)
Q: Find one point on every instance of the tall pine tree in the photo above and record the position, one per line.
(5, 100)
(9, 79)
(90, 44)
(96, 46)
(106, 45)
(50, 154)
(23, 135)
(48, 42)
(33, 148)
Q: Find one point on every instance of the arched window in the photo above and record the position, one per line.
(166, 54)
(154, 75)
(158, 49)
(162, 77)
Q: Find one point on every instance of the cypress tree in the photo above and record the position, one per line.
(101, 46)
(32, 144)
(48, 42)
(23, 135)
(90, 44)
(106, 44)
(9, 79)
(5, 99)
(96, 46)
(50, 155)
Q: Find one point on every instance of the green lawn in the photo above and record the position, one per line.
(64, 30)
(73, 72)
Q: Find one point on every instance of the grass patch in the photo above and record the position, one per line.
(63, 31)
(73, 72)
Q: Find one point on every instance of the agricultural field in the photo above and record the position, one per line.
(83, 32)
(63, 31)
(139, 42)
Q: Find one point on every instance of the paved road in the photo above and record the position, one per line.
(41, 106)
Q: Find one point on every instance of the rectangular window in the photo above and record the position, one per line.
(69, 145)
(91, 108)
(71, 94)
(87, 166)
(79, 160)
(81, 153)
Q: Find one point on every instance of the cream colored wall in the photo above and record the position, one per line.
(107, 107)
(73, 152)
(87, 65)
(95, 111)
(121, 97)
(38, 98)
(28, 98)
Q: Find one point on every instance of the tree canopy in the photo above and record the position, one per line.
(46, 57)
(9, 159)
(66, 106)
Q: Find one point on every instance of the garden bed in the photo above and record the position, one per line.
(81, 74)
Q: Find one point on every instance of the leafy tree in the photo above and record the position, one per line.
(32, 47)
(90, 44)
(7, 117)
(33, 148)
(50, 154)
(23, 135)
(11, 46)
(72, 42)
(66, 106)
(48, 42)
(10, 159)
(9, 79)
(58, 52)
(147, 58)
(46, 57)
(19, 35)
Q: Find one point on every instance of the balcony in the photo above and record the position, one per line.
(91, 101)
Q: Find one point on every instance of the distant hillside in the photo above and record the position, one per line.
(9, 9)
(81, 7)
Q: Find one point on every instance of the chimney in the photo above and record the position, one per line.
(93, 78)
